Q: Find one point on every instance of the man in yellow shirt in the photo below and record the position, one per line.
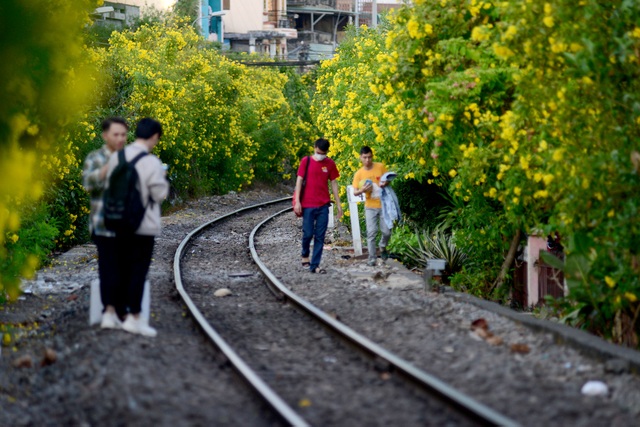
(367, 181)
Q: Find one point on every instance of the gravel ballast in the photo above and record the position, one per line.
(114, 378)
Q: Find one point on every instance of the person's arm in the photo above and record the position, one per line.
(336, 196)
(356, 183)
(158, 184)
(93, 174)
(359, 191)
(297, 208)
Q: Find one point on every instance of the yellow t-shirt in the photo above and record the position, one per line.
(374, 174)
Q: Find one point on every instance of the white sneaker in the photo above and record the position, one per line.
(110, 321)
(138, 326)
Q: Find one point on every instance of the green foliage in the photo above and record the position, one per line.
(528, 114)
(28, 248)
(225, 124)
(417, 247)
(42, 89)
(187, 9)
(420, 202)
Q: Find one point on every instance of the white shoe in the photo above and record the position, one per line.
(110, 321)
(138, 326)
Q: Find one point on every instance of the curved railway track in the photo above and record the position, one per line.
(460, 409)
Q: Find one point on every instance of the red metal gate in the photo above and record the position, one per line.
(550, 281)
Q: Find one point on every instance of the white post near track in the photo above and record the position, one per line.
(331, 223)
(355, 220)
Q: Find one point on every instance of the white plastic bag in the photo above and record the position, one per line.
(95, 307)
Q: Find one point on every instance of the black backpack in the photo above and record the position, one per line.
(123, 209)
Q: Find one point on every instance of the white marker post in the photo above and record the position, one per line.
(355, 221)
(331, 223)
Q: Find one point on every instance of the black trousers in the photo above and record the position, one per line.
(111, 291)
(133, 253)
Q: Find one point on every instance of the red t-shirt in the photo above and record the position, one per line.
(316, 192)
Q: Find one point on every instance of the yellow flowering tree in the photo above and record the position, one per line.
(224, 122)
(527, 113)
(344, 108)
(428, 97)
(41, 88)
(575, 129)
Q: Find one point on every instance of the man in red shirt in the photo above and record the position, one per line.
(315, 202)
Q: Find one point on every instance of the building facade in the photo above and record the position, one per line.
(121, 16)
(258, 26)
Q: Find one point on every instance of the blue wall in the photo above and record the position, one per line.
(211, 24)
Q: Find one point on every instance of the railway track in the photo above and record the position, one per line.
(314, 377)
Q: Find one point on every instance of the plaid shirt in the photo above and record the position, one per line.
(95, 186)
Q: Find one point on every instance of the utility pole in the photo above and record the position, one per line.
(374, 13)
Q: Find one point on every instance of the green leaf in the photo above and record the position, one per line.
(552, 260)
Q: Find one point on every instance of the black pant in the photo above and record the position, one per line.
(133, 259)
(111, 291)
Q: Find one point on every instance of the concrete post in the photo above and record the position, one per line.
(535, 244)
(272, 48)
(252, 45)
(374, 13)
(355, 221)
(332, 222)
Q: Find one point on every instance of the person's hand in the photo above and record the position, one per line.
(298, 208)
(383, 183)
(339, 212)
(368, 186)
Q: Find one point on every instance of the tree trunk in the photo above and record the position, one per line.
(506, 265)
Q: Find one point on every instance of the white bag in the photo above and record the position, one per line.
(95, 307)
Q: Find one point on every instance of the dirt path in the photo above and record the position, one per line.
(114, 378)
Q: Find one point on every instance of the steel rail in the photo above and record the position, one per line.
(274, 400)
(473, 409)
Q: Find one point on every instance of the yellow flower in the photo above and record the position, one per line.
(479, 34)
(548, 21)
(558, 155)
(631, 297)
(14, 238)
(611, 213)
(413, 28)
(517, 191)
(610, 282)
(453, 173)
(493, 192)
(511, 32)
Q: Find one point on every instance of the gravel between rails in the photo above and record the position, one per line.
(113, 378)
(432, 331)
(329, 383)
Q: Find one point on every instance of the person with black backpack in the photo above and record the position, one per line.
(136, 187)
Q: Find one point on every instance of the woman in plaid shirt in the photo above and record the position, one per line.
(94, 175)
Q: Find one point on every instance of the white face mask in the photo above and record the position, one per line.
(320, 157)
